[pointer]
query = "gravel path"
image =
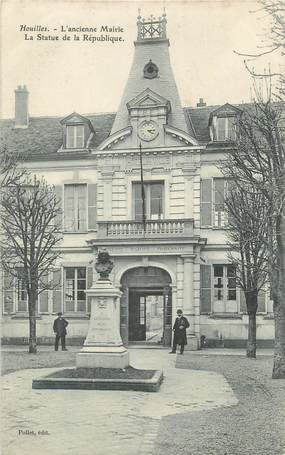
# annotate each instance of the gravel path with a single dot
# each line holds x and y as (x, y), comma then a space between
(254, 427)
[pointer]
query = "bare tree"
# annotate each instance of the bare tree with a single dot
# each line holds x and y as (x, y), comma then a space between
(9, 168)
(30, 237)
(272, 42)
(247, 238)
(259, 160)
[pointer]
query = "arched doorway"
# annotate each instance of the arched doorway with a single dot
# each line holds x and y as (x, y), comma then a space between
(146, 306)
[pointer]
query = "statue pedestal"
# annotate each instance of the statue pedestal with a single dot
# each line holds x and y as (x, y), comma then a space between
(103, 346)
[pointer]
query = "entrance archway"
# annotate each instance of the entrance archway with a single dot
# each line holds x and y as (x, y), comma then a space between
(146, 306)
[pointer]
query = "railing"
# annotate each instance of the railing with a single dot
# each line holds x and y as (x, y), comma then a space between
(152, 228)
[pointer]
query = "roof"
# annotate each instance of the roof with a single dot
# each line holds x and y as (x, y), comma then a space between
(43, 137)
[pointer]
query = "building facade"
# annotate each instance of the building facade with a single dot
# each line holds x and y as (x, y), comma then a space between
(178, 257)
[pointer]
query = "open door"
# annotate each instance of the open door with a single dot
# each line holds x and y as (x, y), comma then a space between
(137, 316)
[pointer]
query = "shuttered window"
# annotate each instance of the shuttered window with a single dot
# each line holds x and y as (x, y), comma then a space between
(78, 198)
(75, 207)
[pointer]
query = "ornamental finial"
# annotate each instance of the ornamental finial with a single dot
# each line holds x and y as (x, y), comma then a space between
(152, 28)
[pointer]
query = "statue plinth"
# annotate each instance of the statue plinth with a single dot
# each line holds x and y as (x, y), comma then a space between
(103, 346)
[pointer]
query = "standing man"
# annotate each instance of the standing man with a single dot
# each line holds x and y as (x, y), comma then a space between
(59, 328)
(180, 325)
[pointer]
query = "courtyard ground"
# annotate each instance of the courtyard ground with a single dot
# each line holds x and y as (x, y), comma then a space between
(212, 402)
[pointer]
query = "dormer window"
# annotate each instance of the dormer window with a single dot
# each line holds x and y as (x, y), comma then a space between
(225, 128)
(223, 123)
(74, 136)
(77, 133)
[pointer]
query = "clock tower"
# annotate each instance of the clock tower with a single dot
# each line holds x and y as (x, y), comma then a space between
(150, 110)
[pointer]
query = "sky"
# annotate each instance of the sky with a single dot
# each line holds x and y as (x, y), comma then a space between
(89, 77)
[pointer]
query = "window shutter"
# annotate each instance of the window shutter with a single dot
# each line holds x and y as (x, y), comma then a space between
(57, 291)
(206, 202)
(43, 296)
(92, 206)
(58, 194)
(243, 308)
(89, 284)
(69, 208)
(81, 194)
(205, 290)
(8, 304)
(261, 301)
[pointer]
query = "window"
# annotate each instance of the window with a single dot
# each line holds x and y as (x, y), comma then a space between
(154, 200)
(75, 208)
(218, 289)
(224, 289)
(213, 210)
(74, 136)
(220, 213)
(74, 289)
(225, 128)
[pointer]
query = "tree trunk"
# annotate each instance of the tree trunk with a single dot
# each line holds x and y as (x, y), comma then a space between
(32, 322)
(251, 338)
(251, 305)
(279, 303)
(279, 349)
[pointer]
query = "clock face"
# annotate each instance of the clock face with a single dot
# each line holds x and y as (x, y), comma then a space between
(148, 130)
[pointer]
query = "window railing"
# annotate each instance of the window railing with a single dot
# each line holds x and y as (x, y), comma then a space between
(152, 228)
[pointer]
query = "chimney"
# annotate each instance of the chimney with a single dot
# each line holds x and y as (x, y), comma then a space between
(21, 107)
(201, 103)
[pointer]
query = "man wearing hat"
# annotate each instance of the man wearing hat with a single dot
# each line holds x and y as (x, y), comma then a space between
(180, 325)
(59, 328)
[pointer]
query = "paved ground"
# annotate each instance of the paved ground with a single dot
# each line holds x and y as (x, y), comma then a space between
(104, 422)
(255, 426)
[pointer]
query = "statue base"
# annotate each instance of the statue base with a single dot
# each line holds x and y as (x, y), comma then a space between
(102, 357)
(103, 347)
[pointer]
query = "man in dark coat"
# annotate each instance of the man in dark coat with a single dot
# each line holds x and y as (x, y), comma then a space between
(180, 325)
(59, 328)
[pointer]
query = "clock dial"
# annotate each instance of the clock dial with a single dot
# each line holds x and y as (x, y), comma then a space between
(148, 130)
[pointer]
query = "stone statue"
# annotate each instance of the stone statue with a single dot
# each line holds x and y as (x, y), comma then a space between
(104, 265)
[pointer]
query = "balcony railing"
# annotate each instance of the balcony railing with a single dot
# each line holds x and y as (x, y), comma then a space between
(152, 228)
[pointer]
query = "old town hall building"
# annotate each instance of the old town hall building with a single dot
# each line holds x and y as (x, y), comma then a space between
(178, 258)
